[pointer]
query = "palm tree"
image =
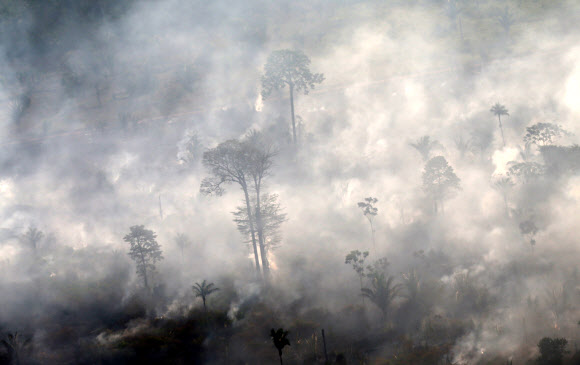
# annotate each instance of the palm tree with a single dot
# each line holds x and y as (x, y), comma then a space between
(499, 110)
(280, 341)
(203, 290)
(383, 292)
(424, 145)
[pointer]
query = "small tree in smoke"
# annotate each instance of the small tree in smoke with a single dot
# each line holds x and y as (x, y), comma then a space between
(370, 212)
(504, 185)
(145, 251)
(32, 237)
(357, 260)
(506, 20)
(15, 345)
(439, 181)
(182, 241)
(498, 110)
(204, 290)
(280, 340)
(289, 68)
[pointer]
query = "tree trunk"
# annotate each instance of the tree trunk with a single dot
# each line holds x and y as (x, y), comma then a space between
(263, 253)
(501, 129)
(252, 231)
(292, 112)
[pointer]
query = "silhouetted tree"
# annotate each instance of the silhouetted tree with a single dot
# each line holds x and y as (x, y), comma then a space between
(357, 260)
(260, 160)
(289, 68)
(204, 290)
(439, 180)
(382, 292)
(182, 241)
(370, 212)
(504, 185)
(229, 163)
(506, 20)
(499, 110)
(145, 251)
(425, 145)
(552, 351)
(280, 341)
(15, 345)
(32, 238)
(543, 134)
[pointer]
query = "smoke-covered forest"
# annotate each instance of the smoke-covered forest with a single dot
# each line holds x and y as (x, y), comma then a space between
(293, 182)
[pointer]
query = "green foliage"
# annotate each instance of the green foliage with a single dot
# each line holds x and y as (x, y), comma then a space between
(145, 250)
(552, 351)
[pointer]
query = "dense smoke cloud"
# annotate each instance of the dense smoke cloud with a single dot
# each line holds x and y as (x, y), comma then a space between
(106, 113)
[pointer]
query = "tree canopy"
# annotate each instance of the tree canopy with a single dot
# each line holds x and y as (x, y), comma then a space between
(145, 251)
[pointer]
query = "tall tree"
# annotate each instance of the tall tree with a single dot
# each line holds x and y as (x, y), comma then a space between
(229, 163)
(145, 251)
(204, 290)
(370, 212)
(260, 159)
(498, 110)
(271, 216)
(289, 68)
(439, 181)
